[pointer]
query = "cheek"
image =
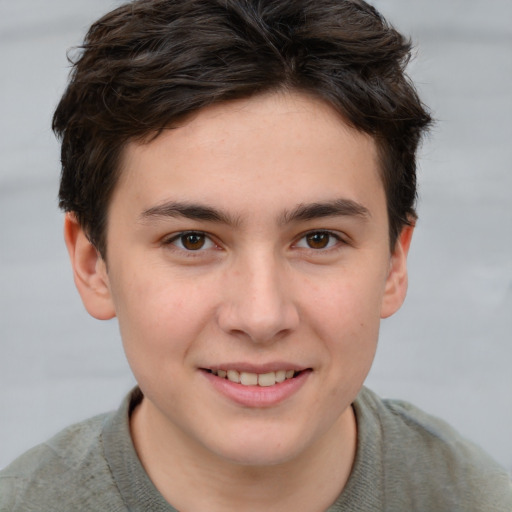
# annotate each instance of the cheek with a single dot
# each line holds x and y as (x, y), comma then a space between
(348, 306)
(159, 317)
(346, 316)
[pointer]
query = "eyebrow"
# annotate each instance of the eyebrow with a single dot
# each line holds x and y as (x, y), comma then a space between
(302, 212)
(190, 211)
(335, 208)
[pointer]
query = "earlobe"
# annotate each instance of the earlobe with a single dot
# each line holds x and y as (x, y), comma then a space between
(396, 282)
(89, 271)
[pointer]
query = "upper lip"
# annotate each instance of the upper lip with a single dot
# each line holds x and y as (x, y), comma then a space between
(256, 368)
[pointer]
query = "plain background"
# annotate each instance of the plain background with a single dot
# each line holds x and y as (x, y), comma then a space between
(449, 350)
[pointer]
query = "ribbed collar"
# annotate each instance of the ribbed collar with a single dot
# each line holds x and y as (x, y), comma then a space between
(135, 487)
(363, 491)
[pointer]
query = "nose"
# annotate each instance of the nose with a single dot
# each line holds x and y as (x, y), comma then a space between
(258, 302)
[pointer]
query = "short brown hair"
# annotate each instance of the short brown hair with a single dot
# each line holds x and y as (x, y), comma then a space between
(151, 62)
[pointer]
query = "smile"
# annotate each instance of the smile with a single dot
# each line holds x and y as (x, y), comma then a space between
(244, 385)
(255, 379)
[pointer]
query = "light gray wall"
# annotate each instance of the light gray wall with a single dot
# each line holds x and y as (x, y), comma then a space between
(449, 350)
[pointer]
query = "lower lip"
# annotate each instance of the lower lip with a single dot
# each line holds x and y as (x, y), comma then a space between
(258, 396)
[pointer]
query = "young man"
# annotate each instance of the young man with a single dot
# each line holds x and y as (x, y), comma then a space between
(239, 182)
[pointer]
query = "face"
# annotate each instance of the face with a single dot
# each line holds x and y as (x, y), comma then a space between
(250, 244)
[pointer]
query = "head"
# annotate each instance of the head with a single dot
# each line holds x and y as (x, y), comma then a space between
(241, 175)
(148, 65)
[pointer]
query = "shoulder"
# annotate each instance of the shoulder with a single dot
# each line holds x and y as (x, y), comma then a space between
(430, 462)
(64, 473)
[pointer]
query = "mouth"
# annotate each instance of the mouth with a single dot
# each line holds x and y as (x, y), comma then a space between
(256, 379)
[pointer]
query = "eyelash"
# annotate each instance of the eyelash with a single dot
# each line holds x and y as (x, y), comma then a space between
(333, 241)
(179, 237)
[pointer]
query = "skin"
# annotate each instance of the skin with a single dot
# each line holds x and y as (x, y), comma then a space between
(255, 291)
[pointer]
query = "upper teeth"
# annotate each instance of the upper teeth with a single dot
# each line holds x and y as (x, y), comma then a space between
(255, 379)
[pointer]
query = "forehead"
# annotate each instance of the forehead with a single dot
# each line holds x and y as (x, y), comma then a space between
(277, 146)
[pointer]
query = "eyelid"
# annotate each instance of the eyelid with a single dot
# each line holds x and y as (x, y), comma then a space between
(170, 239)
(340, 239)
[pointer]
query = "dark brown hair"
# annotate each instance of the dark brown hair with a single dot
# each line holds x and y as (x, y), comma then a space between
(151, 62)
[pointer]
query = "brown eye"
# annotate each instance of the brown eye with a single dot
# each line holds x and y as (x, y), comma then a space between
(193, 241)
(318, 240)
(190, 241)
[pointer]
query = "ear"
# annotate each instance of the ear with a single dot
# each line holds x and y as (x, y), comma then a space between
(396, 282)
(89, 271)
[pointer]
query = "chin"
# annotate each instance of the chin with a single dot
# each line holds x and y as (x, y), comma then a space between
(257, 458)
(261, 450)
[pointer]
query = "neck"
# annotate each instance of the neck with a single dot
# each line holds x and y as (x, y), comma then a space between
(310, 481)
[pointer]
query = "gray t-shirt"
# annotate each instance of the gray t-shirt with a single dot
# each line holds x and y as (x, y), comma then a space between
(406, 461)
